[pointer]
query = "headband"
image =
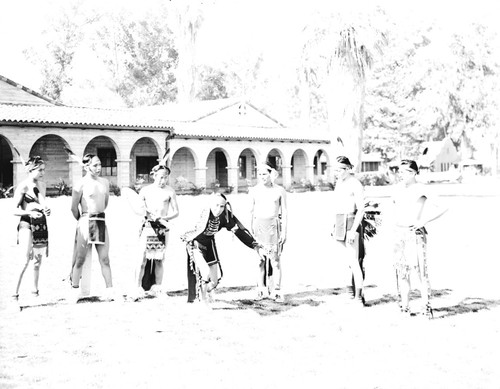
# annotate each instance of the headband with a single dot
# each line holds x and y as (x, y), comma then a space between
(158, 168)
(33, 163)
(409, 164)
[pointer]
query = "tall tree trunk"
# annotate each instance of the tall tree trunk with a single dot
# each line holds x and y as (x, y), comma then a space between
(189, 18)
(345, 100)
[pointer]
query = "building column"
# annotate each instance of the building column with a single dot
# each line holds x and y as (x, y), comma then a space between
(286, 174)
(330, 174)
(123, 172)
(232, 178)
(18, 172)
(200, 175)
(310, 173)
(75, 172)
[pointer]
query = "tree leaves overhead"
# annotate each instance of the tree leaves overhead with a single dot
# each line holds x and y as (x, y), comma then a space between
(433, 83)
(141, 57)
(60, 42)
(370, 74)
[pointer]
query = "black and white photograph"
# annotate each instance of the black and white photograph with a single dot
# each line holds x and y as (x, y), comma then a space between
(249, 194)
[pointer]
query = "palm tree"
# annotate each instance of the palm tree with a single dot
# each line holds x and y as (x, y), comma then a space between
(343, 45)
(188, 18)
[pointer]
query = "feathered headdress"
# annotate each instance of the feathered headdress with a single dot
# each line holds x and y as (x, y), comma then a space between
(371, 219)
(163, 164)
(20, 156)
(32, 163)
(73, 156)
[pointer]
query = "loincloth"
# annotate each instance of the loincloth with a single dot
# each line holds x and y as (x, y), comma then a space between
(410, 251)
(91, 228)
(39, 230)
(267, 233)
(155, 236)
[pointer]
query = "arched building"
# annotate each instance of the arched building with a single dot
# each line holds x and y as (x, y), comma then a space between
(212, 143)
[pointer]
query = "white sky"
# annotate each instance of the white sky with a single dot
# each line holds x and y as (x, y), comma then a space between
(238, 26)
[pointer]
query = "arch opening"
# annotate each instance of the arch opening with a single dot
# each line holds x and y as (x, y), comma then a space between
(51, 149)
(298, 164)
(183, 174)
(6, 167)
(247, 169)
(106, 150)
(143, 156)
(217, 174)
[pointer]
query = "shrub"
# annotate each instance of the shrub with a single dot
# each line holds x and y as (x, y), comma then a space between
(114, 189)
(373, 179)
(62, 188)
(6, 192)
(183, 185)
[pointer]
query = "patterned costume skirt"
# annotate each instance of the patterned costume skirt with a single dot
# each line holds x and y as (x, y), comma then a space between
(410, 252)
(155, 236)
(39, 230)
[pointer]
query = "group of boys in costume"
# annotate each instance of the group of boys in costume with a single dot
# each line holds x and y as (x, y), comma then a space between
(266, 236)
(269, 221)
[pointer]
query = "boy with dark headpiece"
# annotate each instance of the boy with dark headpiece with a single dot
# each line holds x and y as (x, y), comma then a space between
(348, 202)
(411, 213)
(204, 268)
(89, 200)
(269, 226)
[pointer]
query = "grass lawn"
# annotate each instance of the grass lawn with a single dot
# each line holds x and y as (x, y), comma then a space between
(315, 339)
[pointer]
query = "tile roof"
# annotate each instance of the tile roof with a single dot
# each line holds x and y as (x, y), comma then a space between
(141, 119)
(201, 131)
(229, 118)
(61, 116)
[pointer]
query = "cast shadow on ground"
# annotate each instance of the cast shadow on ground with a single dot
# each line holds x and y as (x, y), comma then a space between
(467, 305)
(61, 301)
(414, 295)
(441, 311)
(269, 307)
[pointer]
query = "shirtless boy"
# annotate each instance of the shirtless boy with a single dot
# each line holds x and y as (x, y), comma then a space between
(412, 210)
(269, 227)
(89, 201)
(158, 199)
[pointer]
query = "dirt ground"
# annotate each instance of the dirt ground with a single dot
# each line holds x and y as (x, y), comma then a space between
(316, 339)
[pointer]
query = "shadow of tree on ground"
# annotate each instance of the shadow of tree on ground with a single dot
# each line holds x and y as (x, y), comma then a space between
(414, 295)
(467, 305)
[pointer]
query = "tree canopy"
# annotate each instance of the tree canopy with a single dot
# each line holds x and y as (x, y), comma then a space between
(379, 80)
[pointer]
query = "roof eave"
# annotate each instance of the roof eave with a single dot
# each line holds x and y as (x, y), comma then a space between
(250, 139)
(84, 126)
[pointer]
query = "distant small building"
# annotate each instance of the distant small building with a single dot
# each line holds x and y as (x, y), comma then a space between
(438, 156)
(371, 162)
(471, 166)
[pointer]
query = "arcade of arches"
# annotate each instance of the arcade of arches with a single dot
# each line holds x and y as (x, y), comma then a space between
(127, 156)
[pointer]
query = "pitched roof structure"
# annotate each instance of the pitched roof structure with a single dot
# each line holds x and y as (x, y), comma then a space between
(13, 93)
(20, 106)
(231, 119)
